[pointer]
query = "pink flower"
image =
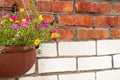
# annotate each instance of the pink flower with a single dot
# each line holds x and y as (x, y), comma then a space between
(5, 16)
(25, 24)
(13, 18)
(55, 39)
(15, 26)
(36, 29)
(28, 18)
(53, 31)
(44, 25)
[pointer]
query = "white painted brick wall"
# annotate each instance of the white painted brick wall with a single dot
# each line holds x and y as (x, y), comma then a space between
(57, 65)
(77, 48)
(105, 47)
(71, 50)
(81, 76)
(116, 59)
(90, 63)
(40, 78)
(109, 75)
(48, 50)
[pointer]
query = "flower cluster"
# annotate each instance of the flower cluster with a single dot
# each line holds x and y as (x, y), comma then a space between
(21, 30)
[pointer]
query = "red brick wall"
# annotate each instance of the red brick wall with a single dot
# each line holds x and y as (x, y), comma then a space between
(80, 19)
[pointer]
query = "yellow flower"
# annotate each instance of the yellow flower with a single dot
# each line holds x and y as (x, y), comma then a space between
(17, 21)
(11, 19)
(23, 20)
(36, 42)
(41, 17)
(21, 10)
(54, 35)
(2, 22)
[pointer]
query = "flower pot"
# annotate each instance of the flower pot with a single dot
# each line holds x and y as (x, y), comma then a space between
(15, 61)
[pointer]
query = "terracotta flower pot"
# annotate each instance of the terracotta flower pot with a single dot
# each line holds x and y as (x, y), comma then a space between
(15, 61)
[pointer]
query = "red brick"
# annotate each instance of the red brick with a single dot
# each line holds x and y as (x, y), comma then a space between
(55, 6)
(116, 8)
(65, 34)
(44, 6)
(48, 18)
(76, 20)
(62, 6)
(1, 3)
(113, 21)
(97, 7)
(118, 20)
(82, 6)
(108, 21)
(9, 3)
(104, 7)
(115, 33)
(102, 21)
(92, 34)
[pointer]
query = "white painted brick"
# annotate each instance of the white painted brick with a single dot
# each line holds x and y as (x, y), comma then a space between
(57, 65)
(81, 76)
(32, 70)
(116, 59)
(109, 75)
(105, 47)
(77, 48)
(39, 78)
(48, 50)
(90, 63)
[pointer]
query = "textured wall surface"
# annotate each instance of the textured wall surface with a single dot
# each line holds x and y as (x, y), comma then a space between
(89, 48)
(81, 60)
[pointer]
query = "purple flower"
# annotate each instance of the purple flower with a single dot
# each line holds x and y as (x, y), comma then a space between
(53, 31)
(55, 39)
(44, 25)
(28, 18)
(25, 24)
(15, 26)
(13, 17)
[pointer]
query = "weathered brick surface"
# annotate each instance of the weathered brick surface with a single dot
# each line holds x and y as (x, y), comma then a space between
(48, 18)
(9, 3)
(76, 20)
(55, 6)
(82, 6)
(107, 21)
(92, 34)
(115, 33)
(66, 34)
(116, 8)
(102, 21)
